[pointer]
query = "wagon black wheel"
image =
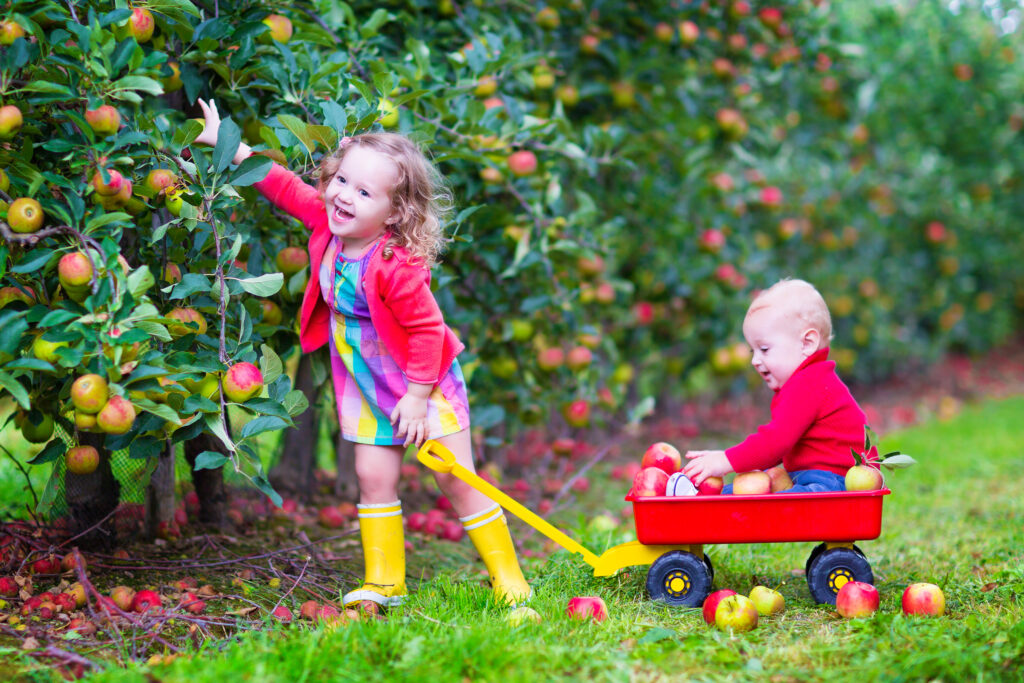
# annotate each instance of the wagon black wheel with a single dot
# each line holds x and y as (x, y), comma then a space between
(832, 569)
(711, 571)
(679, 578)
(818, 550)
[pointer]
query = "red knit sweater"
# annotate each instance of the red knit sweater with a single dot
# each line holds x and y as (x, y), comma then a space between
(402, 308)
(815, 422)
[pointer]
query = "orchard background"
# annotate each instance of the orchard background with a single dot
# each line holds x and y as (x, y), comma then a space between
(626, 174)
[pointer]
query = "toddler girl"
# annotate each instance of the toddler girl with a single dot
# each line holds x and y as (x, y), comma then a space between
(375, 230)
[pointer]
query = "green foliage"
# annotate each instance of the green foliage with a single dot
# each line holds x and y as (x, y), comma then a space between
(818, 146)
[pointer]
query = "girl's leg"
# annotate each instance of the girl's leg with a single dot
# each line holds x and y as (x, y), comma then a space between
(380, 525)
(485, 524)
(816, 481)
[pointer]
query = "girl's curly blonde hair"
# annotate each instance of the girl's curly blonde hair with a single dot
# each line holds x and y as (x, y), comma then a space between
(420, 196)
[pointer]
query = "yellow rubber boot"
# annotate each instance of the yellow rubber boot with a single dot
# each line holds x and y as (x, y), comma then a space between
(488, 530)
(380, 526)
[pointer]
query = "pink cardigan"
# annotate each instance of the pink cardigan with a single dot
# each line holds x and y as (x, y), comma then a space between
(815, 422)
(402, 308)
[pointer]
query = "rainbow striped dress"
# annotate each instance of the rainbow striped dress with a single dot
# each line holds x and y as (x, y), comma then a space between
(367, 380)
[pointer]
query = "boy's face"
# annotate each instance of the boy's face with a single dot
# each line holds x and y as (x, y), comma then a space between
(780, 343)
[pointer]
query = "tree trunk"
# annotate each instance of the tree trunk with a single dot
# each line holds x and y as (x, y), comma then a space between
(209, 484)
(92, 497)
(346, 487)
(292, 476)
(160, 495)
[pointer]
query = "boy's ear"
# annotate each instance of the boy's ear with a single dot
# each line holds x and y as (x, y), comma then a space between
(809, 341)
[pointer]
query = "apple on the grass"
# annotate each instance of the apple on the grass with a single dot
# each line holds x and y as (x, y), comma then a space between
(521, 615)
(857, 599)
(767, 601)
(664, 456)
(587, 607)
(736, 613)
(650, 481)
(711, 603)
(925, 599)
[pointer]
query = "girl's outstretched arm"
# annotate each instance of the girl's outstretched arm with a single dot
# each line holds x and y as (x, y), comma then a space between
(212, 129)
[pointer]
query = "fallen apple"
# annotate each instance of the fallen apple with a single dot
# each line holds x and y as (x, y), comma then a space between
(521, 615)
(767, 601)
(856, 599)
(711, 603)
(736, 613)
(924, 599)
(587, 607)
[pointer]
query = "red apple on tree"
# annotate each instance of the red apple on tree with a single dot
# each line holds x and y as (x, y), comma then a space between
(522, 163)
(11, 120)
(117, 416)
(664, 456)
(242, 382)
(104, 120)
(82, 459)
(924, 599)
(89, 393)
(587, 607)
(857, 599)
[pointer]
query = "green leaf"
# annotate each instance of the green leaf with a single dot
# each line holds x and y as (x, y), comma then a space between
(133, 83)
(266, 423)
(299, 129)
(158, 409)
(154, 330)
(145, 447)
(251, 170)
(295, 402)
(267, 406)
(12, 326)
(99, 220)
(57, 317)
(33, 261)
(263, 285)
(856, 456)
(898, 461)
(270, 364)
(140, 280)
(200, 403)
(228, 138)
(263, 485)
(190, 284)
(215, 423)
(656, 634)
(55, 448)
(15, 388)
(47, 87)
(209, 460)
(29, 364)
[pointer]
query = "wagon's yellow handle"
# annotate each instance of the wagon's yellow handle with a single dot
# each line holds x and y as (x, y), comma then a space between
(438, 458)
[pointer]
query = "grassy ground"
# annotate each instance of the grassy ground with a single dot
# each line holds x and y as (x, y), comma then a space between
(955, 520)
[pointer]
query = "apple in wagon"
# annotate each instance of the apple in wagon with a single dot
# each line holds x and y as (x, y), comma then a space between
(650, 481)
(664, 456)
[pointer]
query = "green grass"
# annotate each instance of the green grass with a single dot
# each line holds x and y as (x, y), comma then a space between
(956, 519)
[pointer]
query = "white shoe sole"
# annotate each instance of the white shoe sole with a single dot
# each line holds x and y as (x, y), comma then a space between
(356, 596)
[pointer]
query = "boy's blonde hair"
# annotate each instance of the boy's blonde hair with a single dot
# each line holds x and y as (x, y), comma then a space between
(420, 195)
(800, 300)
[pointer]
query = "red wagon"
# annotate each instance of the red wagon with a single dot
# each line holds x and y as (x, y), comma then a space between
(672, 532)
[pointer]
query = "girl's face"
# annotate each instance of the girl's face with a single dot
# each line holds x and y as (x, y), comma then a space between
(358, 198)
(780, 343)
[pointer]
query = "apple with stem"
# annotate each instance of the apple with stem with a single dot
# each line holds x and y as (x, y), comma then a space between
(857, 599)
(711, 603)
(767, 601)
(736, 613)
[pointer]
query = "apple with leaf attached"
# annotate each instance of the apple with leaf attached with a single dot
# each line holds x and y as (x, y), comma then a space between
(866, 475)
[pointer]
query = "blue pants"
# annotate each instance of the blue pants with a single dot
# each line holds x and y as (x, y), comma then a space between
(810, 481)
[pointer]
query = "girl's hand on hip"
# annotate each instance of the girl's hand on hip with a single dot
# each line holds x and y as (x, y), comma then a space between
(411, 417)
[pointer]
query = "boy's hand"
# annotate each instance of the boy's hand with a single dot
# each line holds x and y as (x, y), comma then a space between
(704, 464)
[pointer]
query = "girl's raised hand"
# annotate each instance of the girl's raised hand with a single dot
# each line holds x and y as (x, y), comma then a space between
(212, 123)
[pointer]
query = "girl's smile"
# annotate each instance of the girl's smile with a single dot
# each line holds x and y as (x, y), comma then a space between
(358, 199)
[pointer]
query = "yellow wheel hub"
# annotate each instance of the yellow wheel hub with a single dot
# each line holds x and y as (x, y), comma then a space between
(839, 578)
(677, 583)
